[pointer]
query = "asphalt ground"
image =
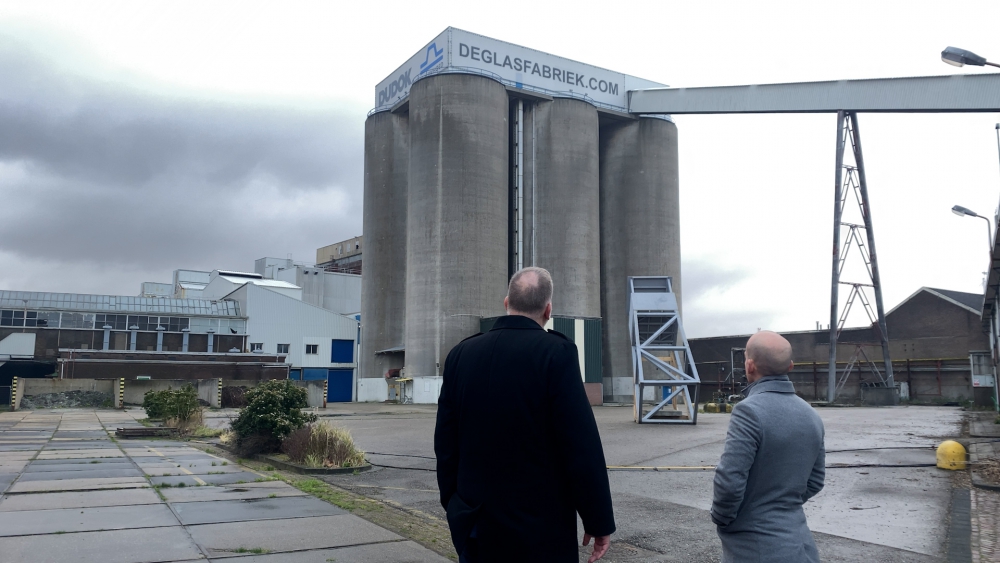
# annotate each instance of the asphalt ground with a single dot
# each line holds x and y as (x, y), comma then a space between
(881, 503)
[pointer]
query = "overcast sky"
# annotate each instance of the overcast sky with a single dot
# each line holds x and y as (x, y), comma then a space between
(141, 137)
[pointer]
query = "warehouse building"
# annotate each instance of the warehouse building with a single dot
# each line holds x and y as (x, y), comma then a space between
(937, 341)
(483, 157)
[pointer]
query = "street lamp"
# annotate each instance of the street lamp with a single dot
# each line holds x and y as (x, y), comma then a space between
(960, 57)
(962, 211)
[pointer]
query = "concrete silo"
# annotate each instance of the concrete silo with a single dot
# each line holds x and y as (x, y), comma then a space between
(456, 266)
(515, 158)
(565, 204)
(383, 287)
(640, 230)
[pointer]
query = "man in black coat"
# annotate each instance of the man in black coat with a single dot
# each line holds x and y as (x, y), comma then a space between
(518, 451)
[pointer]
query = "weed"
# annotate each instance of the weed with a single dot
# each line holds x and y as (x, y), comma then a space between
(216, 472)
(272, 495)
(254, 550)
(213, 464)
(225, 463)
(181, 484)
(206, 432)
(95, 461)
(268, 468)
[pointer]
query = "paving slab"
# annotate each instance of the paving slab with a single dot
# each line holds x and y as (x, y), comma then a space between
(81, 474)
(78, 499)
(77, 465)
(113, 546)
(30, 522)
(190, 469)
(6, 479)
(80, 454)
(243, 510)
(77, 445)
(57, 461)
(192, 480)
(79, 485)
(389, 552)
(229, 492)
(16, 456)
(221, 540)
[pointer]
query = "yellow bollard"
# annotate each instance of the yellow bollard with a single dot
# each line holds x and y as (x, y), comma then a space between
(951, 455)
(711, 407)
(729, 407)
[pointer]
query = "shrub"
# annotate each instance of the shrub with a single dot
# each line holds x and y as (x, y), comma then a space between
(180, 405)
(323, 445)
(234, 397)
(273, 411)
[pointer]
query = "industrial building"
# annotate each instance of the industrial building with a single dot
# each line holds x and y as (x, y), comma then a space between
(344, 256)
(483, 157)
(112, 336)
(305, 314)
(938, 345)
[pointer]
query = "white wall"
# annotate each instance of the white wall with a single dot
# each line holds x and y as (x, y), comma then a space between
(18, 344)
(333, 291)
(278, 319)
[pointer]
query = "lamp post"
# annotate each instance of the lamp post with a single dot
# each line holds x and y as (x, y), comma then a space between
(960, 57)
(962, 212)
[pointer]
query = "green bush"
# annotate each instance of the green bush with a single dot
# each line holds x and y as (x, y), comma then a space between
(176, 404)
(273, 411)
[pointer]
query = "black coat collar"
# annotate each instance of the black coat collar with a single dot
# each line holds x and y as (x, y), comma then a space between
(515, 321)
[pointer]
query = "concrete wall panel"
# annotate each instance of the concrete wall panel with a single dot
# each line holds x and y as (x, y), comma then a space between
(456, 266)
(640, 228)
(383, 279)
(567, 204)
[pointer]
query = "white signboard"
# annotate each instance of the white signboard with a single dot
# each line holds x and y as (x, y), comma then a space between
(460, 51)
(982, 381)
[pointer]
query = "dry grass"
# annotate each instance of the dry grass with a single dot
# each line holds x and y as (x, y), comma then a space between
(323, 445)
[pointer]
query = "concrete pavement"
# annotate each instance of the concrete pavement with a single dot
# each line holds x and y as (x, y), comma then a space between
(864, 513)
(72, 493)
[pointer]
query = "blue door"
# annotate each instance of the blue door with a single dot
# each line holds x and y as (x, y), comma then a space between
(339, 385)
(294, 374)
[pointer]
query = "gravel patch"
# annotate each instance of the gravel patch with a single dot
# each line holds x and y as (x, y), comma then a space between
(67, 400)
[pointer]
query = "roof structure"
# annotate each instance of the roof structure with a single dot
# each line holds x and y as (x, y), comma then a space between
(972, 302)
(40, 301)
(260, 282)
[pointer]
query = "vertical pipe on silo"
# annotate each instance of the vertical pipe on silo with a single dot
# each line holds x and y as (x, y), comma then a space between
(566, 204)
(383, 278)
(457, 216)
(640, 230)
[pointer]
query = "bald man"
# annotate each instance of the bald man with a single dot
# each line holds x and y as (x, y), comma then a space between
(774, 461)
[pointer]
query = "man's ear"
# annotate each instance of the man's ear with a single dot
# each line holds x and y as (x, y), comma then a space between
(548, 312)
(505, 304)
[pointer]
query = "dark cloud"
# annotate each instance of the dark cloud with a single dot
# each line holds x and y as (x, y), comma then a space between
(101, 172)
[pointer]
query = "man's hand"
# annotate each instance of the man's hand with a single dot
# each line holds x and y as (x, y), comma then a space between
(601, 545)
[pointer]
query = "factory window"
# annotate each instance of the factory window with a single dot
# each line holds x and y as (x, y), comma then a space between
(17, 318)
(312, 348)
(283, 348)
(117, 322)
(256, 346)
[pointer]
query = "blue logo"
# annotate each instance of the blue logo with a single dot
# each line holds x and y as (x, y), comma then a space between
(432, 51)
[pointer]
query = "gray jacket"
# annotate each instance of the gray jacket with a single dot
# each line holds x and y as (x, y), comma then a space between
(774, 462)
